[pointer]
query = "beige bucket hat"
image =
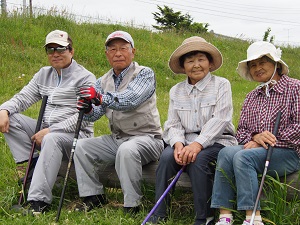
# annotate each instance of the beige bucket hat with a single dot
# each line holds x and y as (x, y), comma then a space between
(191, 44)
(257, 50)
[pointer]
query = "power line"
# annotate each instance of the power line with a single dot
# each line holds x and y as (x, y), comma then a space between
(76, 17)
(223, 14)
(232, 14)
(198, 10)
(266, 8)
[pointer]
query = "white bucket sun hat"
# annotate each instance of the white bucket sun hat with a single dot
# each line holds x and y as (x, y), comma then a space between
(195, 43)
(258, 50)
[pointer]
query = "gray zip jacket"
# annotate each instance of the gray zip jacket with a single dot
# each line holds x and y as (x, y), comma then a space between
(61, 112)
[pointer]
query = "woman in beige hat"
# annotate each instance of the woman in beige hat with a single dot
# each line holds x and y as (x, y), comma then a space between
(198, 126)
(276, 92)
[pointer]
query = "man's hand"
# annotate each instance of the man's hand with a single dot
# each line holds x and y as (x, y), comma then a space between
(90, 94)
(4, 121)
(38, 137)
(84, 104)
(265, 138)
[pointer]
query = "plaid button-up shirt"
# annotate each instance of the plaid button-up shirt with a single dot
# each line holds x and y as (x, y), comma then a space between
(138, 91)
(259, 113)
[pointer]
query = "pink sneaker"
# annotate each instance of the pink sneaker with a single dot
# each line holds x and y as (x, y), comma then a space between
(224, 221)
(247, 222)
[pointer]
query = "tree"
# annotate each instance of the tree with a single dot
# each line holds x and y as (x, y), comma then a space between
(267, 34)
(167, 19)
(199, 27)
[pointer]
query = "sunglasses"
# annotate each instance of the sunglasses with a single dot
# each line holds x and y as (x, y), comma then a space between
(51, 50)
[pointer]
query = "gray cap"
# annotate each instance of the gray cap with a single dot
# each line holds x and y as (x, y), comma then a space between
(120, 34)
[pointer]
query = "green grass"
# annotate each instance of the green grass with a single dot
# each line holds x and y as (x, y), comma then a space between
(22, 55)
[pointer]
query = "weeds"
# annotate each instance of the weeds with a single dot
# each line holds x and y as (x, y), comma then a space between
(22, 55)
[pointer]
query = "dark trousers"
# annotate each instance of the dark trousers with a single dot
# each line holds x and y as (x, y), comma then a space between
(201, 173)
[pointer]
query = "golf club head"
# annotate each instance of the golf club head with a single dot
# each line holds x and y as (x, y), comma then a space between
(21, 210)
(18, 209)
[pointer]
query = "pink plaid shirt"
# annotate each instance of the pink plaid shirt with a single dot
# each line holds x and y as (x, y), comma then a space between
(259, 113)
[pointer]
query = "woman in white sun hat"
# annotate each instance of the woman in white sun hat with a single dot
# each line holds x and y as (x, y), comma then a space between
(198, 126)
(241, 164)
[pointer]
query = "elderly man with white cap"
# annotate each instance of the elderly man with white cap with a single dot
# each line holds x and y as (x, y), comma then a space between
(199, 125)
(59, 82)
(241, 164)
(126, 95)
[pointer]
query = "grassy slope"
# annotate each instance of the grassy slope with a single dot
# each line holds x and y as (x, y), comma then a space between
(21, 55)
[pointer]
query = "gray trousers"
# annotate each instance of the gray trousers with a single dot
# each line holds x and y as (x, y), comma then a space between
(128, 155)
(201, 173)
(54, 146)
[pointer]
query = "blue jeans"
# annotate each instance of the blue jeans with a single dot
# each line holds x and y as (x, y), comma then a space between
(238, 167)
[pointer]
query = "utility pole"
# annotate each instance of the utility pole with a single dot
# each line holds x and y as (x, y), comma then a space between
(288, 35)
(3, 7)
(30, 7)
(24, 7)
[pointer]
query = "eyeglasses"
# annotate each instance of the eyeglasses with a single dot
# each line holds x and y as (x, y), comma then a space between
(51, 50)
(114, 50)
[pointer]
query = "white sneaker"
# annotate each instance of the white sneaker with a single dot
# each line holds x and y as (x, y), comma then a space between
(247, 222)
(224, 221)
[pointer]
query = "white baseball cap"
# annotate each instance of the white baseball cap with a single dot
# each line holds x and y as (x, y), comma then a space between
(58, 37)
(120, 34)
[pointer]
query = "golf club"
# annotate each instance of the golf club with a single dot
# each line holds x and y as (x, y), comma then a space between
(163, 195)
(77, 130)
(269, 154)
(37, 128)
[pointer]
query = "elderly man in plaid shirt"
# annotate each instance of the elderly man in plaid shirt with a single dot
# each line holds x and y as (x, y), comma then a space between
(126, 95)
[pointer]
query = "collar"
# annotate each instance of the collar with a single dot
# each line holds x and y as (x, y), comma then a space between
(200, 85)
(279, 87)
(123, 73)
(68, 70)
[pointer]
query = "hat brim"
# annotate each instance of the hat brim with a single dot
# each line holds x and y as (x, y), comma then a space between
(123, 38)
(62, 43)
(195, 46)
(243, 69)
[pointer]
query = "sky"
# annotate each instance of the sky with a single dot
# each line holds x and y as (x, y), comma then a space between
(236, 18)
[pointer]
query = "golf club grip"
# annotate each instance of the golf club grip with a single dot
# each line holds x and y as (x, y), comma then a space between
(275, 131)
(79, 121)
(41, 114)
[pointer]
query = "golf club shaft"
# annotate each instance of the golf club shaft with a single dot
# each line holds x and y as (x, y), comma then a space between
(77, 130)
(269, 154)
(163, 195)
(37, 128)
